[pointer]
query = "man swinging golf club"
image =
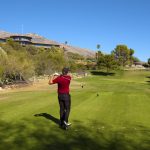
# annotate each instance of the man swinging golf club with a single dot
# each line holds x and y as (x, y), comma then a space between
(64, 98)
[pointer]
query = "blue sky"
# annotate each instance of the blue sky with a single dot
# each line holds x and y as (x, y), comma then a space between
(83, 23)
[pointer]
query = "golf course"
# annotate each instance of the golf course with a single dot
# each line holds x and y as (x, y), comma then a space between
(110, 112)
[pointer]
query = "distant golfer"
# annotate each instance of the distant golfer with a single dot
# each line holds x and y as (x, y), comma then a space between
(63, 82)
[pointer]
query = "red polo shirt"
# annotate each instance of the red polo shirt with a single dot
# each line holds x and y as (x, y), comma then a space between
(63, 82)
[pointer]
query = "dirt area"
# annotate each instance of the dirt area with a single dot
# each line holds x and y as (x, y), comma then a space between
(38, 86)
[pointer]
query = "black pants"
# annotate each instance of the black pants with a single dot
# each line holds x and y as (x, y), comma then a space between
(65, 104)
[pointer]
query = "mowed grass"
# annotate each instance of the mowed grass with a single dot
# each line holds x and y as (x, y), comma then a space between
(108, 113)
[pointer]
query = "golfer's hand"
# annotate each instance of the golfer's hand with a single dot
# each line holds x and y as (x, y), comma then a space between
(55, 74)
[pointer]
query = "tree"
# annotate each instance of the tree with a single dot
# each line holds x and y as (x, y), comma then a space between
(98, 46)
(19, 62)
(98, 51)
(148, 61)
(107, 62)
(18, 67)
(75, 56)
(66, 42)
(16, 63)
(122, 54)
(131, 52)
(47, 61)
(3, 62)
(98, 55)
(135, 59)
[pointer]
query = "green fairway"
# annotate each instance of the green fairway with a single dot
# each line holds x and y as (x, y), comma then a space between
(111, 112)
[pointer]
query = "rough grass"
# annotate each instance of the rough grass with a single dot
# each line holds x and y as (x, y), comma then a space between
(111, 112)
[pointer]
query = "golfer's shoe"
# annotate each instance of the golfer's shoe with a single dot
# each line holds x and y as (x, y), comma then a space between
(67, 123)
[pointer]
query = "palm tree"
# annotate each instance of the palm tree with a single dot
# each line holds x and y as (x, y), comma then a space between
(98, 51)
(149, 61)
(98, 46)
(66, 42)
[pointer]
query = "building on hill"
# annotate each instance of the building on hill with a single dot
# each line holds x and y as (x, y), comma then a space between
(136, 66)
(29, 39)
(39, 41)
(140, 63)
(22, 39)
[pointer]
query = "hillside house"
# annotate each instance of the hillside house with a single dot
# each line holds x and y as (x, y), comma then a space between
(30, 39)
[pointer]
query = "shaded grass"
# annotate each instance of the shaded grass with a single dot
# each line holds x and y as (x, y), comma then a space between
(34, 134)
(101, 73)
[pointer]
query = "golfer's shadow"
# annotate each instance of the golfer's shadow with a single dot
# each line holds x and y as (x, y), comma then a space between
(48, 116)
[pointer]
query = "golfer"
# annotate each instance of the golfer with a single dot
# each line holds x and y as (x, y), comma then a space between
(63, 82)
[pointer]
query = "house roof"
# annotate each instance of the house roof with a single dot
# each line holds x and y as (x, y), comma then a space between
(41, 40)
(21, 35)
(139, 63)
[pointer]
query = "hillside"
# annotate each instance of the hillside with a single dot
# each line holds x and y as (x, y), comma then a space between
(40, 39)
(4, 34)
(81, 51)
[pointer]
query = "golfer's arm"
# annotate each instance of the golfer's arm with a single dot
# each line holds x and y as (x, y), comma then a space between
(51, 80)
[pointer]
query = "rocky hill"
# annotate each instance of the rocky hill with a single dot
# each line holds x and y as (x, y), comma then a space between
(81, 51)
(4, 34)
(39, 39)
